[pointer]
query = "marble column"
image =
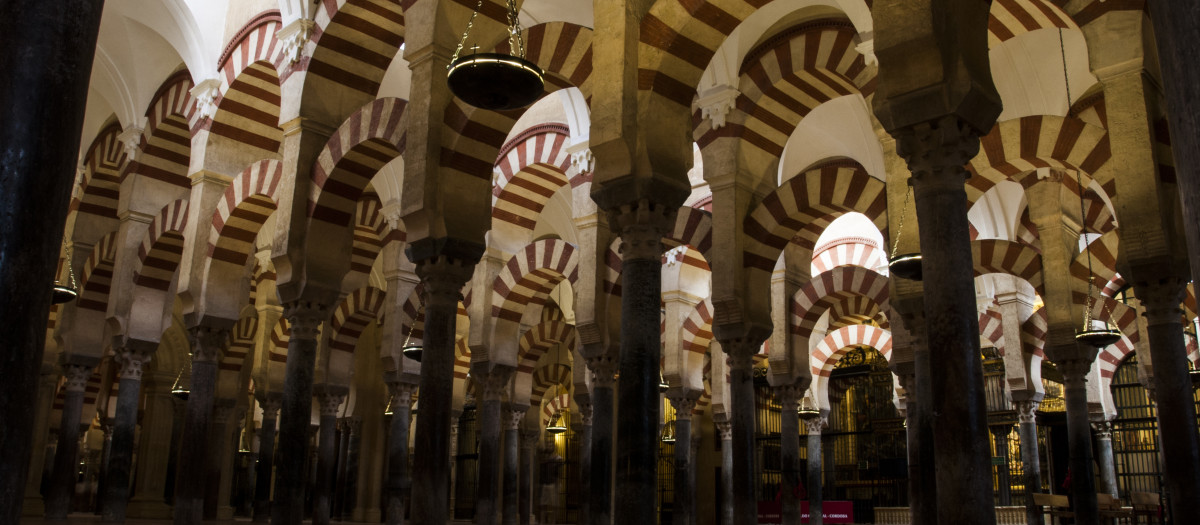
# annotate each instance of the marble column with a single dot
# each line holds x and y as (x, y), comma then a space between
(443, 279)
(340, 504)
(1173, 391)
(512, 451)
(936, 153)
(813, 425)
(270, 404)
(47, 385)
(529, 440)
(600, 487)
(120, 458)
(584, 435)
(149, 497)
(330, 399)
(295, 415)
(741, 390)
(1000, 434)
(353, 459)
(1079, 436)
(487, 491)
(1102, 431)
(725, 431)
(398, 481)
(219, 458)
(66, 456)
(190, 474)
(789, 451)
(1031, 464)
(685, 490)
(453, 457)
(641, 226)
(48, 52)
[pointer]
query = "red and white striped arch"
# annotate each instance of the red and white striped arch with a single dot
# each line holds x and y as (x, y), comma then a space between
(1008, 257)
(556, 404)
(249, 94)
(1033, 333)
(546, 377)
(347, 324)
(371, 232)
(697, 328)
(537, 340)
(103, 164)
(162, 247)
(241, 344)
(816, 296)
(1103, 263)
(281, 333)
(856, 309)
(1016, 148)
(827, 353)
(531, 168)
(96, 279)
(848, 251)
(165, 150)
(530, 275)
(353, 42)
(991, 327)
(361, 146)
(1009, 19)
(242, 210)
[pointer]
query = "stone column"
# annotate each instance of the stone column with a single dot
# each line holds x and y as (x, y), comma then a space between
(48, 52)
(600, 487)
(1173, 391)
(725, 430)
(215, 457)
(1000, 434)
(789, 451)
(330, 399)
(487, 492)
(814, 425)
(453, 457)
(1031, 464)
(149, 498)
(270, 404)
(585, 459)
(33, 504)
(120, 458)
(512, 450)
(1102, 431)
(66, 456)
(398, 481)
(741, 394)
(340, 503)
(1079, 436)
(304, 321)
(529, 440)
(685, 490)
(353, 457)
(641, 225)
(443, 279)
(936, 152)
(190, 475)
(914, 376)
(222, 464)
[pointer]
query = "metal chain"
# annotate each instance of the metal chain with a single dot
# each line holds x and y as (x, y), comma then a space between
(463, 40)
(900, 227)
(516, 42)
(1087, 314)
(1066, 79)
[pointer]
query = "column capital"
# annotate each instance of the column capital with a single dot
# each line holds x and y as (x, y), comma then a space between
(725, 430)
(529, 438)
(131, 362)
(739, 360)
(1027, 410)
(77, 376)
(585, 412)
(641, 226)
(814, 424)
(402, 393)
(354, 425)
(604, 371)
(1102, 429)
(788, 396)
(223, 410)
(1161, 299)
(684, 402)
(1074, 371)
(443, 279)
(270, 404)
(305, 318)
(936, 147)
(207, 343)
(513, 418)
(330, 401)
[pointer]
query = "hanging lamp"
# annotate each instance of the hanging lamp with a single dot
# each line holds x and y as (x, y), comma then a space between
(496, 81)
(556, 424)
(68, 291)
(663, 386)
(408, 349)
(806, 408)
(907, 265)
(668, 435)
(183, 381)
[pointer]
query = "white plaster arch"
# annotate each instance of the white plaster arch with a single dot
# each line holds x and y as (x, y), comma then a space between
(997, 213)
(838, 128)
(1028, 72)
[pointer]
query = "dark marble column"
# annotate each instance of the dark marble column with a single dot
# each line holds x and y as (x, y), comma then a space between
(600, 487)
(741, 394)
(1102, 431)
(487, 491)
(529, 440)
(789, 451)
(512, 451)
(725, 431)
(120, 460)
(813, 425)
(353, 459)
(343, 457)
(66, 456)
(641, 226)
(154, 448)
(218, 459)
(1079, 436)
(1173, 391)
(295, 415)
(443, 279)
(936, 153)
(1000, 434)
(685, 489)
(330, 399)
(398, 481)
(1031, 464)
(270, 404)
(47, 55)
(584, 435)
(190, 475)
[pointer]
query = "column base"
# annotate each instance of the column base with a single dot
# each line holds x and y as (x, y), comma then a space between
(33, 506)
(148, 509)
(225, 512)
(372, 516)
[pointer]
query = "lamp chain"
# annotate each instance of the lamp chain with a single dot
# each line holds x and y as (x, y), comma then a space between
(900, 226)
(516, 42)
(412, 326)
(462, 41)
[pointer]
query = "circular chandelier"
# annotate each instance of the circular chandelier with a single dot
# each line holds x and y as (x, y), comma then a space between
(495, 81)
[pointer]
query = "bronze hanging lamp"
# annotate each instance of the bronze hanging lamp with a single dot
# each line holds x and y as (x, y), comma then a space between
(556, 424)
(408, 349)
(496, 81)
(906, 265)
(66, 291)
(182, 387)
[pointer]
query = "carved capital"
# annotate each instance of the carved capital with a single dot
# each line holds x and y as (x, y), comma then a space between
(1161, 299)
(725, 430)
(354, 425)
(270, 405)
(1102, 429)
(131, 363)
(789, 397)
(583, 161)
(815, 424)
(205, 93)
(294, 36)
(131, 138)
(684, 403)
(77, 376)
(1074, 371)
(330, 403)
(642, 225)
(402, 393)
(1027, 410)
(604, 371)
(513, 418)
(740, 361)
(223, 410)
(939, 147)
(304, 319)
(207, 343)
(443, 279)
(716, 103)
(585, 413)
